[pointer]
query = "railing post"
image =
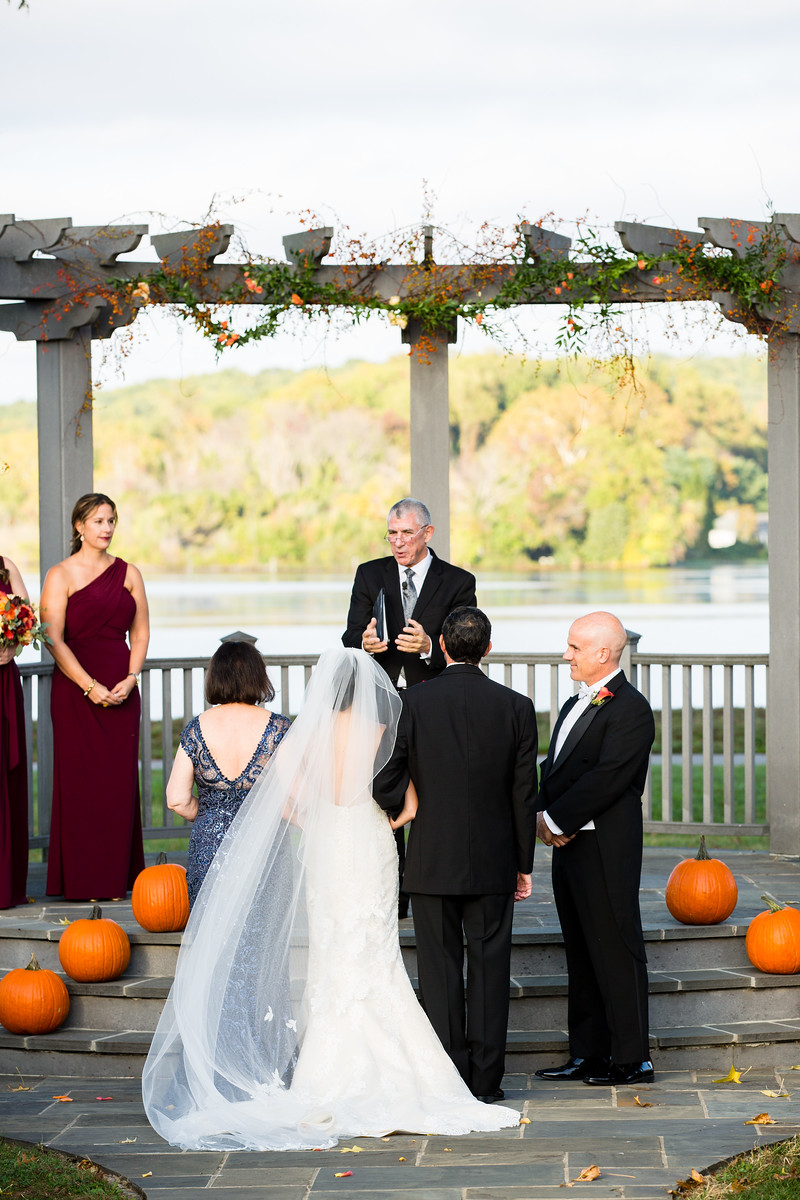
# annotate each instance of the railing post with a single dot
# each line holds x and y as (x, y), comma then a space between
(626, 661)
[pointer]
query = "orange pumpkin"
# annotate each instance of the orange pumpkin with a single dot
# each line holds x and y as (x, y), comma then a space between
(94, 948)
(160, 898)
(701, 890)
(773, 939)
(32, 1000)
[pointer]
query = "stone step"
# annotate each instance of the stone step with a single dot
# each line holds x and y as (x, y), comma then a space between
(682, 999)
(153, 954)
(679, 998)
(102, 1054)
(534, 951)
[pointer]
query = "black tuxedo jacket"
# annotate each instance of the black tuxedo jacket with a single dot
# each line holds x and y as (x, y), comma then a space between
(600, 775)
(446, 587)
(470, 746)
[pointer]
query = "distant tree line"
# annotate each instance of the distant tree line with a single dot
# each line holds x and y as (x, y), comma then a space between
(551, 463)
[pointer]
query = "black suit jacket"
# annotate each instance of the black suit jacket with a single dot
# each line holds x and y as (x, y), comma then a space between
(600, 776)
(470, 746)
(446, 587)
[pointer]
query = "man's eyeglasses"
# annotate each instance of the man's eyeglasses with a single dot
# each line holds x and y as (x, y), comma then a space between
(406, 535)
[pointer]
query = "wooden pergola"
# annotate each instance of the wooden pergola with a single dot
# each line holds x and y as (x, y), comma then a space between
(41, 260)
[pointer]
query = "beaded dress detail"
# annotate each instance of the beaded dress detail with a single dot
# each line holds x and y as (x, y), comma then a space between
(219, 798)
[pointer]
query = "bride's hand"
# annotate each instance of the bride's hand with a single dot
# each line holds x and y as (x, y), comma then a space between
(409, 809)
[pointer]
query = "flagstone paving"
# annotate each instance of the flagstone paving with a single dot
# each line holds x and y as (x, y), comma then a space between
(642, 1140)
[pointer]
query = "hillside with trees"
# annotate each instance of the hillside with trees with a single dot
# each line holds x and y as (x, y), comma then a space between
(551, 462)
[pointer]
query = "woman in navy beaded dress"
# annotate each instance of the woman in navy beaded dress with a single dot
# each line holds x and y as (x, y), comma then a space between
(223, 752)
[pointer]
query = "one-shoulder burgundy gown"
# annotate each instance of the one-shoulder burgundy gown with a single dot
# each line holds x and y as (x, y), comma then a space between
(96, 827)
(13, 785)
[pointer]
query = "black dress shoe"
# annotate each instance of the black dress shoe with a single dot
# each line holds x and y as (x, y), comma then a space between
(618, 1074)
(498, 1095)
(574, 1068)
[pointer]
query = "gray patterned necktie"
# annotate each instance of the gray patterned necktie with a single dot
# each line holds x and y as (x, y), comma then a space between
(409, 595)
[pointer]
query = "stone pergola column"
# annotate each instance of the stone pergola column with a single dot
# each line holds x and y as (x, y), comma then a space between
(430, 426)
(783, 687)
(64, 415)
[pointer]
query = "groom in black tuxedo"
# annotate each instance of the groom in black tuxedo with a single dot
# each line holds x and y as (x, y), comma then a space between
(591, 813)
(469, 745)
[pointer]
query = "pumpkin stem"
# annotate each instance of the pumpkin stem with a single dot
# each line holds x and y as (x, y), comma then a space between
(33, 964)
(96, 913)
(162, 858)
(702, 853)
(774, 905)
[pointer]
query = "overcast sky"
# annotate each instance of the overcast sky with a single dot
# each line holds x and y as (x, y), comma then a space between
(117, 111)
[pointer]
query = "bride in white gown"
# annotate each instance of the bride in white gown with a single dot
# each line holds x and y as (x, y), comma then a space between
(292, 1022)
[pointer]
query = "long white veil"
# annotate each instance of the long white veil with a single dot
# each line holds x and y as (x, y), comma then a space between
(221, 1064)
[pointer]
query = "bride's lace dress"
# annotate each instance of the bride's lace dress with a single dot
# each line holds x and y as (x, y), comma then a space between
(327, 1041)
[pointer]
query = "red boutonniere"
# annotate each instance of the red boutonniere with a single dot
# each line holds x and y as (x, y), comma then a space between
(602, 696)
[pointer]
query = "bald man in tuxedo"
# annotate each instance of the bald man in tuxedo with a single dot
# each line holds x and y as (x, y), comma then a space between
(591, 814)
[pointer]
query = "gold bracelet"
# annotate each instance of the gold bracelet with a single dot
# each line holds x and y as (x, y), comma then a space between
(89, 688)
(135, 676)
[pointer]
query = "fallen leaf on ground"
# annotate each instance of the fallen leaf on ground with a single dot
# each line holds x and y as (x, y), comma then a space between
(733, 1076)
(64, 921)
(524, 1120)
(401, 1160)
(104, 1097)
(341, 1174)
(125, 1141)
(147, 1174)
(64, 1099)
(697, 1177)
(642, 1103)
(761, 1119)
(587, 1175)
(775, 1095)
(352, 1150)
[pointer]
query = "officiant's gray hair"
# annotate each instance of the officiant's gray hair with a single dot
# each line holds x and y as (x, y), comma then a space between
(409, 504)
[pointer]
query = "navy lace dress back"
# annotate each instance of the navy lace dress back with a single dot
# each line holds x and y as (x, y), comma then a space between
(219, 798)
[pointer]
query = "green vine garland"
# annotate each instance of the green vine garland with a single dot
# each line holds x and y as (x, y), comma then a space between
(591, 282)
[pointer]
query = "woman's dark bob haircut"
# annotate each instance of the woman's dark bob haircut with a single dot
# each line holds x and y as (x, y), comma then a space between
(236, 675)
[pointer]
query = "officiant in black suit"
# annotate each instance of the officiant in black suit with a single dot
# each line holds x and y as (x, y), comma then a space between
(591, 813)
(469, 745)
(419, 590)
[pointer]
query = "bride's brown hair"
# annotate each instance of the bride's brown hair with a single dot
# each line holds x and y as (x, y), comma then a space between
(84, 507)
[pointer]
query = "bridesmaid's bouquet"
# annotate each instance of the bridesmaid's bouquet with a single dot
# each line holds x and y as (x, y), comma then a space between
(19, 624)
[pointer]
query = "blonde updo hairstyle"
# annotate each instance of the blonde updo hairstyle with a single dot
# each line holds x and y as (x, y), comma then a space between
(84, 507)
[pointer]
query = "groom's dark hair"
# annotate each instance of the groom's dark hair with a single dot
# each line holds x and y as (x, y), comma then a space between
(466, 632)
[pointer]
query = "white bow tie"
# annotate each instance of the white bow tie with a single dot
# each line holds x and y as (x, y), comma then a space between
(584, 691)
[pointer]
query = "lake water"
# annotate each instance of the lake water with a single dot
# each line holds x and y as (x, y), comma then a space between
(678, 610)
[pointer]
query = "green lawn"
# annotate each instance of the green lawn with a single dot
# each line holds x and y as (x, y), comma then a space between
(30, 1172)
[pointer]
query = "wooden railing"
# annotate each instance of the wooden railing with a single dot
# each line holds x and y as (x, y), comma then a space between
(707, 773)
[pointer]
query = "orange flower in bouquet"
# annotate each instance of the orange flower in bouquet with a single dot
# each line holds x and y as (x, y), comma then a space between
(19, 623)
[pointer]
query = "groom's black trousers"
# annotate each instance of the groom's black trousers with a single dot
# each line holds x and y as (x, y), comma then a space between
(474, 1038)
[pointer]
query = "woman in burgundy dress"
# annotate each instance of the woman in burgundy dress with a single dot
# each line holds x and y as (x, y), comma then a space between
(13, 763)
(91, 601)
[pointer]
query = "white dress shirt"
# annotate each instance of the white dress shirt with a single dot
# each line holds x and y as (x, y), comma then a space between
(571, 719)
(420, 570)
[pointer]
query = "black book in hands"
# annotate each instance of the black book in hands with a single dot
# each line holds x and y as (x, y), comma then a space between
(379, 613)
